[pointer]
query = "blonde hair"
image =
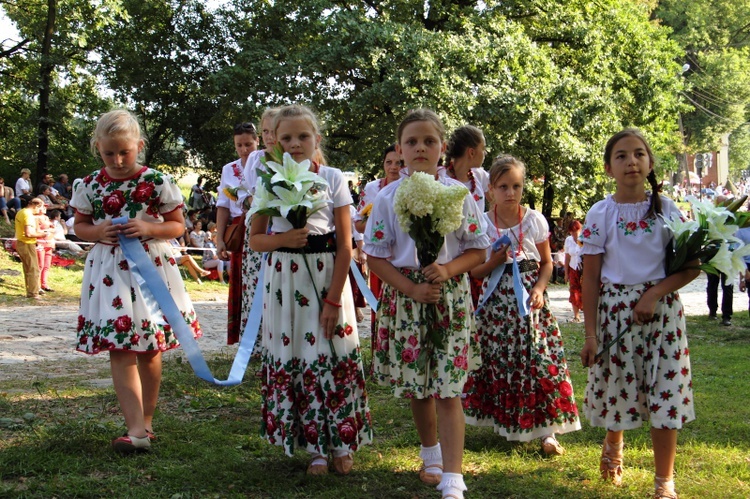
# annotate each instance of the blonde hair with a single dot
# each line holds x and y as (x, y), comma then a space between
(414, 115)
(503, 163)
(270, 114)
(117, 123)
(295, 111)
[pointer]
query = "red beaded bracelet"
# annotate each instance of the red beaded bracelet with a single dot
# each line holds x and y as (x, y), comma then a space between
(332, 303)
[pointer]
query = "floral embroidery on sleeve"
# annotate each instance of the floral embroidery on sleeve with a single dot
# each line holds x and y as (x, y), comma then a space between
(377, 232)
(589, 232)
(473, 225)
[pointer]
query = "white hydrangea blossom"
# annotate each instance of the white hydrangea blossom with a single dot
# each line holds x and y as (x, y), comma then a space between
(420, 195)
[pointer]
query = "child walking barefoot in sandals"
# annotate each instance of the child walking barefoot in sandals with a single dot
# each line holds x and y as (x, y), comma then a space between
(522, 388)
(410, 285)
(114, 315)
(646, 374)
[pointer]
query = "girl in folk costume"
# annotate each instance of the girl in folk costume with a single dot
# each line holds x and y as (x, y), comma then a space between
(410, 287)
(522, 388)
(392, 165)
(464, 156)
(646, 375)
(573, 267)
(114, 315)
(251, 260)
(313, 384)
(230, 210)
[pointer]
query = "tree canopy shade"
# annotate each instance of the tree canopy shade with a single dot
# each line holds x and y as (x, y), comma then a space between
(548, 81)
(715, 41)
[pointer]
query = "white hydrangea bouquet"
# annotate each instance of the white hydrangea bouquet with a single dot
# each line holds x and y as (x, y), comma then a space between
(288, 189)
(709, 238)
(428, 210)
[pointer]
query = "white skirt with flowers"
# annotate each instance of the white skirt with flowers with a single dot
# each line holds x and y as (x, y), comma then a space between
(401, 332)
(311, 398)
(114, 315)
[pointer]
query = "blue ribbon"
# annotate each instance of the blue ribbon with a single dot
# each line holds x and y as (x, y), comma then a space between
(363, 287)
(522, 296)
(157, 296)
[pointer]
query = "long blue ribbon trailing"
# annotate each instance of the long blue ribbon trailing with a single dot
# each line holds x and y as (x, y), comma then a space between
(522, 296)
(363, 287)
(157, 296)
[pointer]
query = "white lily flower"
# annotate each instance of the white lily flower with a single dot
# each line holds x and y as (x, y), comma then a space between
(261, 198)
(738, 259)
(678, 227)
(723, 261)
(288, 200)
(292, 173)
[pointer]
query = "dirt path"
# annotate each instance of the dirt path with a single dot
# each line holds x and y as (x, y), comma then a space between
(37, 340)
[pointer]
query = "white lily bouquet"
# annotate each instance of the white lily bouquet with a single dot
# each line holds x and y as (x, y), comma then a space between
(428, 210)
(709, 238)
(288, 189)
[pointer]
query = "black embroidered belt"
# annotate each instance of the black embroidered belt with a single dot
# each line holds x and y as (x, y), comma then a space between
(523, 266)
(324, 243)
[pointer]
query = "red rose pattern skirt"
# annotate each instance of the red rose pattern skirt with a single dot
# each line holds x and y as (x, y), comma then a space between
(646, 375)
(311, 399)
(400, 333)
(114, 314)
(522, 389)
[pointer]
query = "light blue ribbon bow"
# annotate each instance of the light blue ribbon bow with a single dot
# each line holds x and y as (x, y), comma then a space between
(157, 296)
(522, 296)
(363, 287)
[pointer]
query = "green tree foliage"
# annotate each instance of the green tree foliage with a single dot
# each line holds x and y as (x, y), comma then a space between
(546, 81)
(715, 38)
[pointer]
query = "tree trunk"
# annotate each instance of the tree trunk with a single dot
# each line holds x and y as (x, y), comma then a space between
(47, 66)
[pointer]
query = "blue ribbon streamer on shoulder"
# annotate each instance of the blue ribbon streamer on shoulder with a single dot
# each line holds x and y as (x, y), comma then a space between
(522, 296)
(155, 291)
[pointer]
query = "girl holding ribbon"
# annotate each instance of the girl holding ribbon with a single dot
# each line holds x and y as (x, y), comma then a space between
(115, 316)
(522, 388)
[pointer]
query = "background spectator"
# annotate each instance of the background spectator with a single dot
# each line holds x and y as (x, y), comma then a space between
(8, 201)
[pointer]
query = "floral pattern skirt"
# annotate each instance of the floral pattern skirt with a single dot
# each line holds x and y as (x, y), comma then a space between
(646, 374)
(401, 331)
(522, 389)
(250, 269)
(311, 398)
(114, 314)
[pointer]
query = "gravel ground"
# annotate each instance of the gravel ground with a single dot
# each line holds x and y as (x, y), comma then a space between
(38, 340)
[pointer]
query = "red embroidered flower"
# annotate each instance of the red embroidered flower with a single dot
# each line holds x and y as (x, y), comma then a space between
(81, 322)
(270, 424)
(348, 430)
(408, 355)
(277, 267)
(123, 264)
(107, 281)
(117, 303)
(547, 385)
(83, 340)
(335, 401)
(113, 203)
(311, 432)
(586, 233)
(643, 224)
(460, 362)
(526, 421)
(123, 324)
(157, 261)
(565, 388)
(134, 339)
(294, 267)
(142, 192)
(472, 228)
(379, 235)
(145, 324)
(552, 370)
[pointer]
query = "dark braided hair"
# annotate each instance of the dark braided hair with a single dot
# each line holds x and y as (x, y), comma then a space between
(461, 139)
(655, 207)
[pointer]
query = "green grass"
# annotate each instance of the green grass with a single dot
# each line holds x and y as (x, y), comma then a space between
(55, 432)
